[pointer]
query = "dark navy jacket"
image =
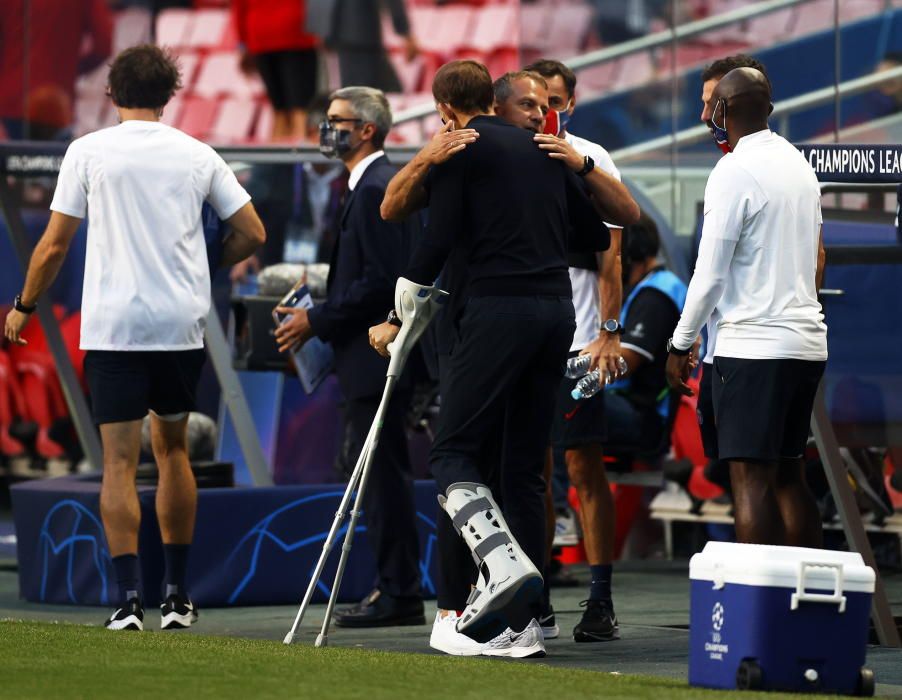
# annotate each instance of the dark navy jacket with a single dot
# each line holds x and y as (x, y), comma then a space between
(369, 256)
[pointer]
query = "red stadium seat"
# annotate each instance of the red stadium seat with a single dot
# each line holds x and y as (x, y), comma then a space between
(534, 22)
(450, 28)
(209, 28)
(410, 73)
(770, 28)
(635, 69)
(812, 17)
(567, 29)
(220, 76)
(235, 121)
(174, 26)
(197, 116)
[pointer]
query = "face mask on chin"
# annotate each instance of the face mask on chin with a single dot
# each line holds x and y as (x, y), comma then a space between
(720, 132)
(334, 143)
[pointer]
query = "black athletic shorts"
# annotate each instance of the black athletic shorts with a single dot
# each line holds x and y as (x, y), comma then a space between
(125, 384)
(705, 412)
(763, 407)
(289, 76)
(577, 422)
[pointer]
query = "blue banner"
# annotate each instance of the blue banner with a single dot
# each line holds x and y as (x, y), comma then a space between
(859, 163)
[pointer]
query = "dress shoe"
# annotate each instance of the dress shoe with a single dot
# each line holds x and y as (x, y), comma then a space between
(379, 609)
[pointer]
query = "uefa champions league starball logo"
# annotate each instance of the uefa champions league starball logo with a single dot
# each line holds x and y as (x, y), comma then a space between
(717, 617)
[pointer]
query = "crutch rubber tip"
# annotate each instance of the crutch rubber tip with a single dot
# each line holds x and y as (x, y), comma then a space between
(321, 641)
(289, 638)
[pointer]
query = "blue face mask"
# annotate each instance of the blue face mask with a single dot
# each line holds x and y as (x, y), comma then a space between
(333, 143)
(720, 132)
(556, 121)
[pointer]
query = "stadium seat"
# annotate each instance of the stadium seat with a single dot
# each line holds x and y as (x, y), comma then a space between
(410, 73)
(209, 28)
(188, 63)
(596, 79)
(132, 26)
(567, 28)
(197, 116)
(534, 21)
(850, 10)
(234, 121)
(220, 76)
(634, 69)
(495, 39)
(173, 111)
(770, 28)
(174, 26)
(450, 28)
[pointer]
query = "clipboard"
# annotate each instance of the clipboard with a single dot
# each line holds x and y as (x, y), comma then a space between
(314, 360)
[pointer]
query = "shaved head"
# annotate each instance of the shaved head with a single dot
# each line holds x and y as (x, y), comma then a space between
(742, 100)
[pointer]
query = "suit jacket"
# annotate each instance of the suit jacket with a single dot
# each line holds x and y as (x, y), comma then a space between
(369, 256)
(354, 23)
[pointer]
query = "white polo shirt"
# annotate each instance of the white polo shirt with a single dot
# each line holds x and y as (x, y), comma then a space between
(585, 282)
(147, 279)
(758, 255)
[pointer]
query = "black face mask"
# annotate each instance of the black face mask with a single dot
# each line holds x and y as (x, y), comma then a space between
(334, 143)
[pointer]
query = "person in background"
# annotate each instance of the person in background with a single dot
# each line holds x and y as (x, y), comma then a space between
(275, 43)
(638, 407)
(300, 203)
(145, 304)
(40, 63)
(353, 29)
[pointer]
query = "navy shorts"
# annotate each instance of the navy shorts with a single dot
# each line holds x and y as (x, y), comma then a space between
(580, 422)
(705, 412)
(763, 407)
(124, 385)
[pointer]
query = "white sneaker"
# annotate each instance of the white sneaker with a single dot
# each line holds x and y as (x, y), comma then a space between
(517, 645)
(446, 638)
(566, 530)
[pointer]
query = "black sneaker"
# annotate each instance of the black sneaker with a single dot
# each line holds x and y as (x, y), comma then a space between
(599, 623)
(548, 623)
(129, 617)
(177, 612)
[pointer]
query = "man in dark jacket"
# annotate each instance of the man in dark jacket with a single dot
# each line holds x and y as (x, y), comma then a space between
(368, 257)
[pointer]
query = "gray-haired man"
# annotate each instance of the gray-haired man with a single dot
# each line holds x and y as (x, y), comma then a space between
(369, 255)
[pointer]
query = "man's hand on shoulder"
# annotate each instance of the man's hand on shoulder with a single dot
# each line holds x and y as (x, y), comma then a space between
(559, 149)
(447, 142)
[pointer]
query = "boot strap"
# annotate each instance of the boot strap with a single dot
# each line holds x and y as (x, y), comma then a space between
(490, 543)
(468, 510)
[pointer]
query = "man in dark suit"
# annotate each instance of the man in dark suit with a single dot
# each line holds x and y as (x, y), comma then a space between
(353, 29)
(369, 256)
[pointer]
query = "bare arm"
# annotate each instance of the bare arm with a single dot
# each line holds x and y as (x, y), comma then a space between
(48, 256)
(406, 193)
(610, 196)
(247, 235)
(46, 261)
(605, 350)
(821, 261)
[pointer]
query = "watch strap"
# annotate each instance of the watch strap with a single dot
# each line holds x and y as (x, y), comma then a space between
(21, 308)
(676, 351)
(588, 166)
(394, 319)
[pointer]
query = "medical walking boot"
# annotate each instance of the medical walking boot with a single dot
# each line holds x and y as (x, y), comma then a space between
(508, 583)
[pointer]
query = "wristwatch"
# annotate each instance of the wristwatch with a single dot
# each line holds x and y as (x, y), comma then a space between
(21, 308)
(612, 325)
(676, 351)
(394, 319)
(588, 167)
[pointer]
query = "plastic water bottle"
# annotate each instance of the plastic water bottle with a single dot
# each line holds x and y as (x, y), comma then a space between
(577, 366)
(590, 385)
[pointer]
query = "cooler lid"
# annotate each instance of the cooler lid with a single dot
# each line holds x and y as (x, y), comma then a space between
(769, 565)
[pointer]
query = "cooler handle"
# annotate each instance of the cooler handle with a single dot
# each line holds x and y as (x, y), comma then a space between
(802, 596)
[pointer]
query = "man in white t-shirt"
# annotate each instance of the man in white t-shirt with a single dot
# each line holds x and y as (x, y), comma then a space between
(759, 265)
(145, 302)
(580, 426)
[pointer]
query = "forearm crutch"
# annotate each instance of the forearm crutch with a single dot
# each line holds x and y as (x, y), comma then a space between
(416, 306)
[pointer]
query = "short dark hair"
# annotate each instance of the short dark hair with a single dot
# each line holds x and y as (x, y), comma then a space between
(641, 240)
(504, 86)
(144, 77)
(549, 68)
(722, 66)
(465, 85)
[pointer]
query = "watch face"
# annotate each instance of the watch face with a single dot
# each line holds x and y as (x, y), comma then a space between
(611, 325)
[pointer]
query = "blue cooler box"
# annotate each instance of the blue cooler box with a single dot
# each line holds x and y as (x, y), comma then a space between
(779, 618)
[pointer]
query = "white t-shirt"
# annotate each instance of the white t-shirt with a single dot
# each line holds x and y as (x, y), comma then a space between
(758, 255)
(585, 282)
(147, 280)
